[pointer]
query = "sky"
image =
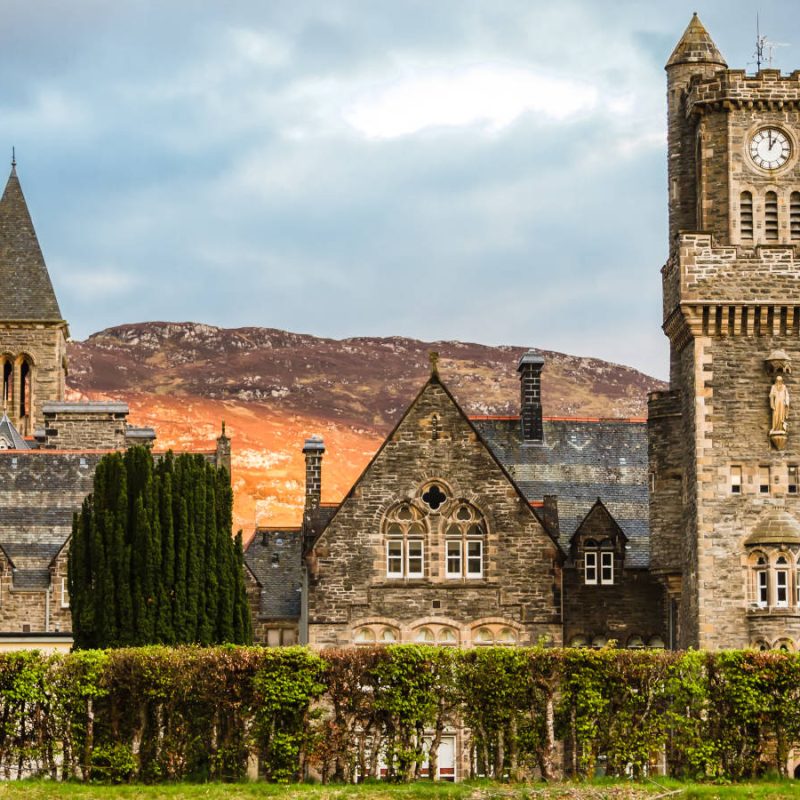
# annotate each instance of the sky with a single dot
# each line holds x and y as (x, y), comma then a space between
(485, 170)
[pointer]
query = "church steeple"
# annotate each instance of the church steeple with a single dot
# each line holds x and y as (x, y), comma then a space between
(696, 47)
(26, 292)
(33, 334)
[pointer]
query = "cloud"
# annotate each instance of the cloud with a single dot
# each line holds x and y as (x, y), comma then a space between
(490, 95)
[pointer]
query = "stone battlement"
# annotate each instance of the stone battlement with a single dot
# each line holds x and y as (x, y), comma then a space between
(766, 90)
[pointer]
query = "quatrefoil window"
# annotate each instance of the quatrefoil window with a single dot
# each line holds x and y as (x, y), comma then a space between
(434, 497)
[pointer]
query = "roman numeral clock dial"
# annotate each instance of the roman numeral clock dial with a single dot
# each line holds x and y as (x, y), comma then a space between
(770, 148)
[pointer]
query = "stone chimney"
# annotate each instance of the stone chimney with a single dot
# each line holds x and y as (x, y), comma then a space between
(530, 378)
(313, 450)
(223, 454)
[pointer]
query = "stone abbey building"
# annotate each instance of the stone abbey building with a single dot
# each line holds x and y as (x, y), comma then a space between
(679, 531)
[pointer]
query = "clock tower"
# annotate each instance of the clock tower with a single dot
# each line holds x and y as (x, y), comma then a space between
(725, 440)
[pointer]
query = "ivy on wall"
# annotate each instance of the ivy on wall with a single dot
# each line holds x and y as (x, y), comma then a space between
(159, 714)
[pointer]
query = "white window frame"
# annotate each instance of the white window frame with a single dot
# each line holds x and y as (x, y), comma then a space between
(409, 557)
(590, 567)
(453, 545)
(471, 559)
(64, 594)
(762, 587)
(606, 564)
(394, 557)
(782, 587)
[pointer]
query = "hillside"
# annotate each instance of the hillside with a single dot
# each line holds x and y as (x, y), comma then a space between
(274, 388)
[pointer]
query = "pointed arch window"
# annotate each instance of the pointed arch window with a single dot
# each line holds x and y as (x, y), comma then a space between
(25, 374)
(7, 391)
(404, 534)
(464, 543)
(781, 582)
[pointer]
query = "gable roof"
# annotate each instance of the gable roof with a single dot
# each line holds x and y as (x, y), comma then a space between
(434, 379)
(599, 508)
(26, 292)
(11, 434)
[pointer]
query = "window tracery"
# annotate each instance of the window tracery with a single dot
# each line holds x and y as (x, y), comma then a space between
(405, 542)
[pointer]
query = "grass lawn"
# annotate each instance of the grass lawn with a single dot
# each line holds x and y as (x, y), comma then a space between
(598, 790)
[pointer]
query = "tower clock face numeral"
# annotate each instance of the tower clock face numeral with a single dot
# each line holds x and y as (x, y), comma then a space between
(770, 148)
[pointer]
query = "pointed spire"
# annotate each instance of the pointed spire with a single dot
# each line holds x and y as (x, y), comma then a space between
(696, 47)
(26, 292)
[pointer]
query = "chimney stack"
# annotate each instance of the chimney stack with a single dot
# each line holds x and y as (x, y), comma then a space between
(313, 450)
(530, 378)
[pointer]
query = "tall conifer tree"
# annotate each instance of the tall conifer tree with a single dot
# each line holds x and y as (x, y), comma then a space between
(152, 559)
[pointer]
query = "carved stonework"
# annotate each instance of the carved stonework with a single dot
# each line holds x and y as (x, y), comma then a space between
(779, 402)
(778, 363)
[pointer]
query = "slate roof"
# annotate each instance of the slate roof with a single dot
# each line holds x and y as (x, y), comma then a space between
(696, 46)
(26, 292)
(581, 461)
(39, 492)
(274, 556)
(11, 434)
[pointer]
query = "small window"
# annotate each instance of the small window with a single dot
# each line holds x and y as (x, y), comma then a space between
(454, 558)
(365, 636)
(771, 217)
(794, 215)
(579, 641)
(590, 566)
(474, 558)
(64, 594)
(656, 643)
(434, 497)
(483, 636)
(746, 215)
(425, 636)
(388, 636)
(599, 641)
(762, 593)
(781, 588)
(792, 483)
(415, 560)
(736, 480)
(763, 480)
(635, 643)
(394, 558)
(606, 567)
(448, 636)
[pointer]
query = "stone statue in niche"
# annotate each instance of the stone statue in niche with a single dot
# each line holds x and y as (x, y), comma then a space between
(779, 402)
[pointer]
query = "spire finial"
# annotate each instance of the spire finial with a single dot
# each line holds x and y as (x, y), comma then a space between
(13, 157)
(433, 357)
(223, 429)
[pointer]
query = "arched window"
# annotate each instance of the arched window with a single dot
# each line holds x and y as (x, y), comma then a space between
(404, 533)
(746, 215)
(771, 217)
(781, 582)
(599, 641)
(785, 645)
(364, 636)
(464, 535)
(25, 371)
(759, 581)
(448, 636)
(483, 636)
(7, 391)
(635, 643)
(794, 216)
(579, 641)
(388, 635)
(506, 637)
(425, 636)
(656, 643)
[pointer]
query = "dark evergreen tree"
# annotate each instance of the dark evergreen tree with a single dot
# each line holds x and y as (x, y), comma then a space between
(152, 558)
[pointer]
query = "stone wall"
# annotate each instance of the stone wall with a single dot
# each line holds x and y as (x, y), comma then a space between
(44, 345)
(348, 585)
(85, 426)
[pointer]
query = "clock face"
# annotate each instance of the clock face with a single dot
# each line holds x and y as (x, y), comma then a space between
(770, 148)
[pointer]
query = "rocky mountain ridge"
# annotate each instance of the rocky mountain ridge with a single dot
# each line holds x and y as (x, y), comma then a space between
(275, 387)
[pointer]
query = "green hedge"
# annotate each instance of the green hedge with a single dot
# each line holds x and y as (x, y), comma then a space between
(163, 714)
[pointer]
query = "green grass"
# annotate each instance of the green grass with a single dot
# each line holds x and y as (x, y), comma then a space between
(596, 790)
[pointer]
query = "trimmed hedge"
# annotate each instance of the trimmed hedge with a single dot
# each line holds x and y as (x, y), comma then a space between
(163, 714)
